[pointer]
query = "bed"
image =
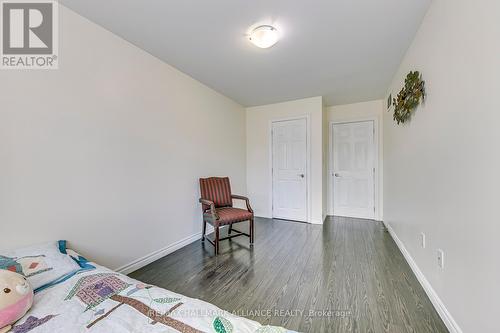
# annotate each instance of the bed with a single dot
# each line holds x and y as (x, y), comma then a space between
(95, 299)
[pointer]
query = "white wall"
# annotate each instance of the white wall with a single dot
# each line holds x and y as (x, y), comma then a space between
(325, 166)
(442, 170)
(350, 113)
(259, 180)
(106, 151)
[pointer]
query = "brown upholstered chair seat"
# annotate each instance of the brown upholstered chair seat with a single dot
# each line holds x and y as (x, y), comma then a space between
(228, 215)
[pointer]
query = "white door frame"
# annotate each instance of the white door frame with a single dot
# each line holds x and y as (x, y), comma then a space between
(308, 163)
(377, 162)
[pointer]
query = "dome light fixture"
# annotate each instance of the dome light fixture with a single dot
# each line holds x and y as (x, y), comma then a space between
(264, 36)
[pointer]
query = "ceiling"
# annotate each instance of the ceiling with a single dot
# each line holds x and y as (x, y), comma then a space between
(344, 50)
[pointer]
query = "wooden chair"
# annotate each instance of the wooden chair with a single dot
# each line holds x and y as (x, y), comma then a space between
(218, 210)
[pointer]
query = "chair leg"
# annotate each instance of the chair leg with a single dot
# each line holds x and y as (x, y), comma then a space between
(230, 228)
(204, 230)
(216, 240)
(251, 231)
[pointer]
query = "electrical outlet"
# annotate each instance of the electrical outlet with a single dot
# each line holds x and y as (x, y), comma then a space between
(440, 257)
(422, 240)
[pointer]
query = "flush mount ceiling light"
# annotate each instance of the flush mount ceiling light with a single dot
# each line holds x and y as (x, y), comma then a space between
(264, 36)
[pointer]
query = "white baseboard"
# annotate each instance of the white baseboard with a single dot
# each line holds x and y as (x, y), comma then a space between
(311, 221)
(445, 315)
(153, 256)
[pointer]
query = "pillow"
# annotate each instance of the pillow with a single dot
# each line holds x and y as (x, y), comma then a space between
(80, 260)
(43, 265)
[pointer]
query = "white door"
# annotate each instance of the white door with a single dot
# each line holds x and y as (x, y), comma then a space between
(353, 169)
(289, 145)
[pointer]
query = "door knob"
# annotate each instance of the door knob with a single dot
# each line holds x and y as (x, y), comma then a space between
(337, 175)
(302, 175)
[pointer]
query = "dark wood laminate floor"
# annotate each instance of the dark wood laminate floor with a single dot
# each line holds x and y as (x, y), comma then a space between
(345, 276)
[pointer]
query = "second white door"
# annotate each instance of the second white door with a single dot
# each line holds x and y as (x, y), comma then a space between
(354, 169)
(289, 162)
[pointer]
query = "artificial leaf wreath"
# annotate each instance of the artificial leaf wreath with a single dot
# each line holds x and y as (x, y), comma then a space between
(409, 97)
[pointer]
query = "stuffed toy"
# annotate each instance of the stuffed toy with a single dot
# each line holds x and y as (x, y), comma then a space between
(16, 298)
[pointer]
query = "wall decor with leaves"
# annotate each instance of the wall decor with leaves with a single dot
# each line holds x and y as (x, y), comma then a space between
(409, 97)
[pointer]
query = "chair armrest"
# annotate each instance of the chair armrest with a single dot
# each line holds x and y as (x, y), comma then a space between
(212, 207)
(247, 201)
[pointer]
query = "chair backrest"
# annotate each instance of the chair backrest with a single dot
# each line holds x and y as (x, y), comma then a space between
(216, 189)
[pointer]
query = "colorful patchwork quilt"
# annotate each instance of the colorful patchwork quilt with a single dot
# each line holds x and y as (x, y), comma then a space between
(103, 301)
